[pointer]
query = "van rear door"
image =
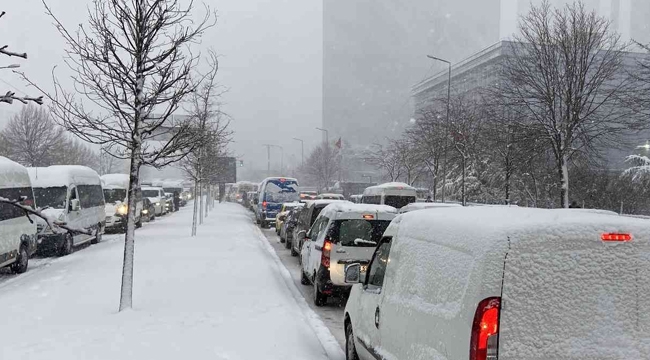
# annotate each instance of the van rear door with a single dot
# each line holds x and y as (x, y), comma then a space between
(576, 297)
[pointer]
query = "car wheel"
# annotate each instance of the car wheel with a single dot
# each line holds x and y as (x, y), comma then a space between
(98, 235)
(20, 266)
(263, 224)
(350, 348)
(287, 244)
(303, 278)
(320, 299)
(66, 247)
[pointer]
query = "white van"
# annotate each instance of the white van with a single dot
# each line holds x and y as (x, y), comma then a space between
(395, 194)
(17, 233)
(503, 283)
(116, 188)
(157, 197)
(72, 194)
(343, 233)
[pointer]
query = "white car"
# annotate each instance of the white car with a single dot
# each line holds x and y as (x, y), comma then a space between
(72, 194)
(116, 187)
(157, 197)
(343, 233)
(17, 232)
(503, 283)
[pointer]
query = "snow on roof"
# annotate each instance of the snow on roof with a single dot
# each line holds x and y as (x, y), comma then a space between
(425, 205)
(319, 202)
(332, 195)
(331, 210)
(152, 188)
(378, 189)
(172, 183)
(63, 175)
(115, 181)
(12, 174)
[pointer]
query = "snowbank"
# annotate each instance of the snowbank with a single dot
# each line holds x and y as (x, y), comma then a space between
(215, 296)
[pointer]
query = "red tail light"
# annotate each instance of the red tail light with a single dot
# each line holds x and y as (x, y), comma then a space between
(327, 249)
(616, 237)
(264, 203)
(484, 344)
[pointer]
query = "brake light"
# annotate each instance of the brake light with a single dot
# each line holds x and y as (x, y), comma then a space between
(28, 202)
(264, 203)
(484, 343)
(327, 250)
(615, 237)
(368, 217)
(282, 180)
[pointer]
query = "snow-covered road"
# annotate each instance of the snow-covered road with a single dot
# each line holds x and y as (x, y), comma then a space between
(221, 295)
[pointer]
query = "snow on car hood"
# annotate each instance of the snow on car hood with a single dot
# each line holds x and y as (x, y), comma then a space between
(53, 214)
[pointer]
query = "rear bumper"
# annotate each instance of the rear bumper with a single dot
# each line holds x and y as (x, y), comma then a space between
(325, 285)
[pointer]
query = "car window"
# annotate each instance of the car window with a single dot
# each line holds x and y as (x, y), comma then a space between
(377, 267)
(73, 196)
(398, 201)
(358, 232)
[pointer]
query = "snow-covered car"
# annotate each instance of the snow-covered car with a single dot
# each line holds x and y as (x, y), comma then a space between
(307, 195)
(72, 194)
(426, 205)
(116, 187)
(329, 196)
(157, 196)
(170, 206)
(343, 233)
(306, 218)
(282, 215)
(17, 232)
(148, 210)
(506, 283)
(395, 194)
(286, 232)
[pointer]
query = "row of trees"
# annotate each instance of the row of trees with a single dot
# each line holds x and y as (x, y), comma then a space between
(565, 96)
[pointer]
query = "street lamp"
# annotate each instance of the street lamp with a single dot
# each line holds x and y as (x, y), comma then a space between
(444, 165)
(327, 135)
(302, 151)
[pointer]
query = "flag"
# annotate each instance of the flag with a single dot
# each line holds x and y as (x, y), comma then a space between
(338, 143)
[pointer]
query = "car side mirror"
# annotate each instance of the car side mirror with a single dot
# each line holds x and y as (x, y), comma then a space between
(353, 274)
(74, 205)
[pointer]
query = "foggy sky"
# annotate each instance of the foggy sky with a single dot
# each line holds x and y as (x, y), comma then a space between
(271, 62)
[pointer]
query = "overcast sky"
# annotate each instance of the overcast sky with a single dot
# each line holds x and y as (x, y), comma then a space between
(271, 62)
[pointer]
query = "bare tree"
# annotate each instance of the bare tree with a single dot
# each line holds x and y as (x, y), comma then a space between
(77, 153)
(566, 70)
(385, 159)
(32, 138)
(10, 96)
(132, 62)
(322, 165)
(427, 134)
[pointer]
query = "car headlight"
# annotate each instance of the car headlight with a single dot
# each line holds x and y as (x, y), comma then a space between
(145, 211)
(157, 204)
(122, 209)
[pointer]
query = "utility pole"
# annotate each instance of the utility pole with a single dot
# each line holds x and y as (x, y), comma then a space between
(444, 164)
(302, 151)
(268, 157)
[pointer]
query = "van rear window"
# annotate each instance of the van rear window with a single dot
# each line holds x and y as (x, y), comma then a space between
(398, 201)
(358, 232)
(8, 211)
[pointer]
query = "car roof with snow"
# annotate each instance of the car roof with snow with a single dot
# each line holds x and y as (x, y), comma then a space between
(115, 181)
(479, 229)
(349, 210)
(331, 194)
(324, 202)
(12, 174)
(425, 205)
(387, 187)
(63, 175)
(153, 188)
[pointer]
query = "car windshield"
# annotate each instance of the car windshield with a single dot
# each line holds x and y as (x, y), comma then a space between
(150, 193)
(398, 201)
(51, 197)
(358, 232)
(112, 196)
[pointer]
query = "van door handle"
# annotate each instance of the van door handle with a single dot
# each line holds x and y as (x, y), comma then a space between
(377, 317)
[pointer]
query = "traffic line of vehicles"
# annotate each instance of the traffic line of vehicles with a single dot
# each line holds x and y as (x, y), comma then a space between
(430, 280)
(70, 194)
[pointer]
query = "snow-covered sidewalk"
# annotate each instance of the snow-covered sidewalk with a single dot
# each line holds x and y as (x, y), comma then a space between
(220, 295)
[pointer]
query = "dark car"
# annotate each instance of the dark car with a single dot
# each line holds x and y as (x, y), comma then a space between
(148, 210)
(286, 231)
(306, 218)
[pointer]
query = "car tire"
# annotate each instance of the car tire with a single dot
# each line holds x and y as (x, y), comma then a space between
(350, 347)
(303, 278)
(67, 245)
(98, 236)
(263, 224)
(287, 244)
(320, 299)
(293, 251)
(22, 261)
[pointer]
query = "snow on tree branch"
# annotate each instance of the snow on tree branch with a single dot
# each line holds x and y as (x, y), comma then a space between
(55, 225)
(640, 168)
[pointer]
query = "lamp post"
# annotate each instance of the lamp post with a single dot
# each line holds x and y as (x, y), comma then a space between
(327, 135)
(444, 165)
(302, 151)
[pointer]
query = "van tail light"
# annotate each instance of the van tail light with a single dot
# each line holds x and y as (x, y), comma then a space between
(264, 203)
(615, 237)
(484, 344)
(327, 250)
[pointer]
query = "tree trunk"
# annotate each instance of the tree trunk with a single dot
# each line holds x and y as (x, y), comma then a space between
(507, 182)
(126, 294)
(200, 202)
(563, 172)
(464, 201)
(196, 204)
